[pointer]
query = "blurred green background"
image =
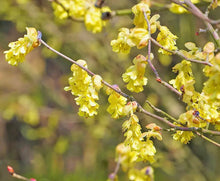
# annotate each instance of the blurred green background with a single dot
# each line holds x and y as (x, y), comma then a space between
(42, 136)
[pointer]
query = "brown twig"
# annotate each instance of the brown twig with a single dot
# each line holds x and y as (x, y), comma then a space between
(162, 112)
(196, 11)
(149, 47)
(164, 83)
(114, 174)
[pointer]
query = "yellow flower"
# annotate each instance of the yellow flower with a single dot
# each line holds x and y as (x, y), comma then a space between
(88, 106)
(183, 136)
(147, 150)
(139, 37)
(134, 75)
(127, 157)
(82, 10)
(82, 86)
(117, 103)
(175, 8)
(133, 133)
(60, 11)
(93, 20)
(167, 40)
(22, 47)
(129, 38)
(139, 19)
(184, 82)
(80, 81)
(97, 81)
(135, 139)
(130, 108)
(145, 174)
(77, 8)
(123, 43)
(188, 118)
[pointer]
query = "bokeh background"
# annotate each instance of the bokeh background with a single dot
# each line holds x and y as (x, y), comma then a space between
(41, 134)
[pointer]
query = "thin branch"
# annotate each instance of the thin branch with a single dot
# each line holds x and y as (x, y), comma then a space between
(149, 47)
(113, 175)
(196, 11)
(17, 176)
(87, 70)
(142, 110)
(162, 112)
(208, 139)
(164, 83)
(180, 54)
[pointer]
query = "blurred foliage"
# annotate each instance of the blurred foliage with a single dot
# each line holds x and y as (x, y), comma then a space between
(41, 134)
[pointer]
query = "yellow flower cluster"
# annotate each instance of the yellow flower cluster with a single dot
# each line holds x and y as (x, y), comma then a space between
(167, 40)
(183, 136)
(139, 35)
(22, 47)
(206, 102)
(85, 88)
(184, 82)
(128, 159)
(117, 103)
(82, 9)
(143, 150)
(137, 147)
(139, 19)
(134, 75)
(206, 54)
(189, 119)
(209, 103)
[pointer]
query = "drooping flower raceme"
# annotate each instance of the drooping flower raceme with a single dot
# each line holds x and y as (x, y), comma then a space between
(167, 40)
(184, 82)
(142, 148)
(22, 47)
(85, 88)
(134, 75)
(209, 103)
(117, 103)
(123, 43)
(139, 19)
